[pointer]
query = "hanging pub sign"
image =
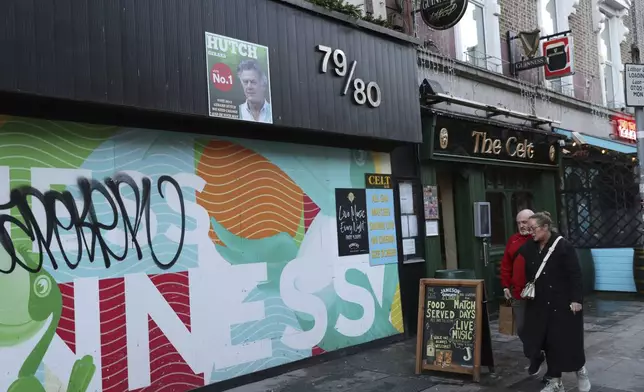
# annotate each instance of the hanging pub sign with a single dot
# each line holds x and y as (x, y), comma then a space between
(624, 129)
(530, 43)
(556, 53)
(559, 52)
(442, 14)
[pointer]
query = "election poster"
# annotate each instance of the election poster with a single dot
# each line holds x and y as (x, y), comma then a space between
(239, 84)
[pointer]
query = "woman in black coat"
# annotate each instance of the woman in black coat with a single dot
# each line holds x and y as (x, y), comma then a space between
(554, 319)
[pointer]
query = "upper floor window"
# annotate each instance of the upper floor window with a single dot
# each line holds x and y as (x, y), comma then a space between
(477, 36)
(611, 34)
(606, 64)
(553, 18)
(473, 41)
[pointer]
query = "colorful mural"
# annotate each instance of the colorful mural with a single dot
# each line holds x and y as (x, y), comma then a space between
(144, 260)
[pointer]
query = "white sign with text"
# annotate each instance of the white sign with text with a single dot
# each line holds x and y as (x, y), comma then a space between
(634, 84)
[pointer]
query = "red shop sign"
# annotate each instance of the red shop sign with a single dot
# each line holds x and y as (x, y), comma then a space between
(625, 128)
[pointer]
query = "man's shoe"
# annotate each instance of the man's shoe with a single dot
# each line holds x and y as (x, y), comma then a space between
(554, 385)
(536, 365)
(583, 383)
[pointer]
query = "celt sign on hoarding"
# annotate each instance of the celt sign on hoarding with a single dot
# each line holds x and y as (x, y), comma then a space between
(442, 14)
(239, 84)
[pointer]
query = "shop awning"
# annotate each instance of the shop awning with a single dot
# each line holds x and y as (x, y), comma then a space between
(607, 144)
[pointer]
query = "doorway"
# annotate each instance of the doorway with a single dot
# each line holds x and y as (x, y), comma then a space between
(447, 220)
(508, 191)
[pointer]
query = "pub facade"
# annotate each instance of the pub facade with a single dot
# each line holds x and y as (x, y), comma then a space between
(194, 193)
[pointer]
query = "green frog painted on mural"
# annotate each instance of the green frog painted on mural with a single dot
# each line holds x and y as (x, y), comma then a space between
(31, 305)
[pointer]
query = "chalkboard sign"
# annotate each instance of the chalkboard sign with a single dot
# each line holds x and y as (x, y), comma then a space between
(453, 327)
(351, 217)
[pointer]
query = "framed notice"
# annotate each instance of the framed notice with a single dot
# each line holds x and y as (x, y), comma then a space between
(239, 85)
(453, 327)
(351, 211)
(430, 202)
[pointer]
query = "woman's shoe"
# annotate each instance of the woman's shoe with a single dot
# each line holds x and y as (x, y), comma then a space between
(554, 385)
(583, 382)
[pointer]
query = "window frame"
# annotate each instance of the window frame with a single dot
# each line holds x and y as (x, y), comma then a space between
(613, 18)
(491, 33)
(563, 10)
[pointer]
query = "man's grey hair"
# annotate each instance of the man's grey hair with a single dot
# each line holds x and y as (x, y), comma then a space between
(527, 212)
(252, 65)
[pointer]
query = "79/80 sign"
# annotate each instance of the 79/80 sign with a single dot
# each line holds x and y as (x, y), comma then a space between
(362, 93)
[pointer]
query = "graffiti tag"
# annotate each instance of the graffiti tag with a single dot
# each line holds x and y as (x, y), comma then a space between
(84, 221)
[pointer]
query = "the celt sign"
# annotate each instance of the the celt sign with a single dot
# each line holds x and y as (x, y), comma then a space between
(559, 53)
(634, 84)
(442, 14)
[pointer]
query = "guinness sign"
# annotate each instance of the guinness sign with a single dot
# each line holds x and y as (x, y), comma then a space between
(442, 14)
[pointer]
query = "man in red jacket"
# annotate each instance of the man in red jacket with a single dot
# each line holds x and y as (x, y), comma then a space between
(513, 269)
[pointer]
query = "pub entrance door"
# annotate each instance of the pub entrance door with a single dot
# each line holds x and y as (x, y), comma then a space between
(508, 190)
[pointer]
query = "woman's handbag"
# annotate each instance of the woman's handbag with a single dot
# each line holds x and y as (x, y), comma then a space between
(529, 291)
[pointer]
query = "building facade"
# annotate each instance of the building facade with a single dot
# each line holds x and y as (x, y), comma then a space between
(473, 83)
(195, 192)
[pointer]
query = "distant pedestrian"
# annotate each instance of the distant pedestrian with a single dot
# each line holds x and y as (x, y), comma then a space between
(513, 270)
(554, 317)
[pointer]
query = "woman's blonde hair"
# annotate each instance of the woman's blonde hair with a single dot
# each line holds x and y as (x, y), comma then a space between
(544, 218)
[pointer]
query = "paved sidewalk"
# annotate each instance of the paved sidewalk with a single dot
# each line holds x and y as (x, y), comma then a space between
(614, 349)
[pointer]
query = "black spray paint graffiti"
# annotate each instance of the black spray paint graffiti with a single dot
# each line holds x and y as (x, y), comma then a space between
(80, 222)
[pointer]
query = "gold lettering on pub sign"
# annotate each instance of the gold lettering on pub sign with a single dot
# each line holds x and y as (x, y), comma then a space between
(513, 146)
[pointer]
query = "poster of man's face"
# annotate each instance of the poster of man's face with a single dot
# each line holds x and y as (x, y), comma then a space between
(253, 82)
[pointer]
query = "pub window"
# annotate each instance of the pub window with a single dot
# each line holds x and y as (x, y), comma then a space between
(410, 220)
(497, 213)
(522, 201)
(600, 201)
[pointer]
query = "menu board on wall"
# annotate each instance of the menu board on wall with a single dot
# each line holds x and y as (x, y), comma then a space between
(453, 327)
(380, 216)
(351, 210)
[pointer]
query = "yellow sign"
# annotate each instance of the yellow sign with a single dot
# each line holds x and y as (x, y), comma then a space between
(382, 181)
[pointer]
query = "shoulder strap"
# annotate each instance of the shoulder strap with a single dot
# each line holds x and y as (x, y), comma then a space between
(545, 259)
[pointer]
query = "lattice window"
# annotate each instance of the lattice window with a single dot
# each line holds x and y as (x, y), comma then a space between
(600, 203)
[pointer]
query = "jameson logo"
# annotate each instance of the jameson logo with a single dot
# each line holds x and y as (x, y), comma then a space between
(442, 14)
(239, 85)
(351, 215)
